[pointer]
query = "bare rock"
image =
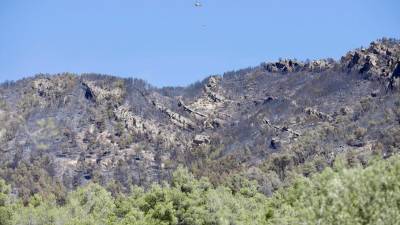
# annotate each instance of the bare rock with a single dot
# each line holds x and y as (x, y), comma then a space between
(356, 143)
(201, 139)
(284, 66)
(176, 118)
(100, 94)
(317, 114)
(394, 81)
(275, 144)
(376, 61)
(346, 111)
(319, 65)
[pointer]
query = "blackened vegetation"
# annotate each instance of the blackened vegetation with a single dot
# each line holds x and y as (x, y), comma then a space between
(261, 123)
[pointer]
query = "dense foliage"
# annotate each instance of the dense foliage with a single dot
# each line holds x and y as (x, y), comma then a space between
(340, 195)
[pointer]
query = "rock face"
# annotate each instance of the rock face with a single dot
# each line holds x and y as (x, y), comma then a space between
(100, 94)
(290, 65)
(319, 65)
(211, 97)
(394, 82)
(378, 60)
(201, 139)
(284, 66)
(67, 129)
(317, 114)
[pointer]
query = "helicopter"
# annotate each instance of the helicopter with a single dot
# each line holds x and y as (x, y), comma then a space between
(198, 4)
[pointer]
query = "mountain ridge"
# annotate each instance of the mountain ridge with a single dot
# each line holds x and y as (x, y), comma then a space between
(262, 123)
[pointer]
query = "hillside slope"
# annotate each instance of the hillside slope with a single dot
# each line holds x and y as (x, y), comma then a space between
(58, 132)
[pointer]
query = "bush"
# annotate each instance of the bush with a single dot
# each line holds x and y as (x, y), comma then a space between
(335, 196)
(347, 196)
(5, 211)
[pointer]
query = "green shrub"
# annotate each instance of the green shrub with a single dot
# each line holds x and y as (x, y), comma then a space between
(340, 195)
(347, 196)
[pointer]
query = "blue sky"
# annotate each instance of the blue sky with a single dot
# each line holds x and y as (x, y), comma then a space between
(171, 42)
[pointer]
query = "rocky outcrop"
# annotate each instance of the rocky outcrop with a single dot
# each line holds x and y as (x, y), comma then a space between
(145, 127)
(376, 61)
(132, 121)
(319, 65)
(362, 62)
(317, 114)
(292, 65)
(101, 94)
(46, 89)
(176, 118)
(211, 89)
(346, 111)
(211, 99)
(394, 81)
(281, 129)
(43, 86)
(284, 66)
(190, 110)
(275, 143)
(201, 139)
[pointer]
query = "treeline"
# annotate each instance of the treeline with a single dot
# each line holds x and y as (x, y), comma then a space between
(338, 195)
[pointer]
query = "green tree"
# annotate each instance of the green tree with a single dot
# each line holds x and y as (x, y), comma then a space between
(91, 204)
(5, 210)
(346, 196)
